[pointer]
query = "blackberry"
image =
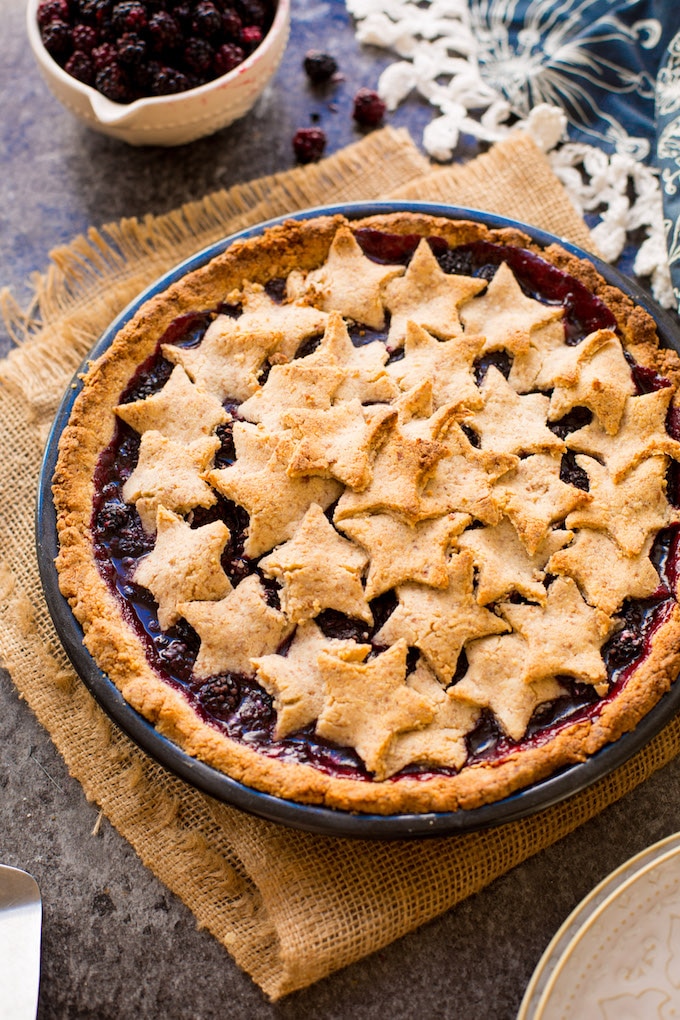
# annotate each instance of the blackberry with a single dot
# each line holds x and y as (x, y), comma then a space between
(227, 58)
(112, 82)
(253, 12)
(167, 81)
(105, 55)
(131, 49)
(112, 516)
(165, 33)
(199, 55)
(57, 39)
(456, 261)
(309, 144)
(220, 695)
(129, 16)
(207, 20)
(231, 24)
(52, 10)
(84, 38)
(79, 65)
(251, 37)
(319, 67)
(369, 109)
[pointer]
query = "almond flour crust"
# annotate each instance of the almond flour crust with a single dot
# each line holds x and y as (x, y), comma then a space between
(119, 652)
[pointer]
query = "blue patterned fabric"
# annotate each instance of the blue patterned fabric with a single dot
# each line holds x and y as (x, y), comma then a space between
(612, 65)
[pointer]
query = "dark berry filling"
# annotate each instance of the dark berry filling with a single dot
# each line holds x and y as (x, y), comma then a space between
(236, 704)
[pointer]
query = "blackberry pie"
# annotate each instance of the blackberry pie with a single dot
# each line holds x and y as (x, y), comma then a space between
(380, 514)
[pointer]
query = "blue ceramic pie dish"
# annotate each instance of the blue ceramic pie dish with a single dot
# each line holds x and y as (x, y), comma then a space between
(321, 820)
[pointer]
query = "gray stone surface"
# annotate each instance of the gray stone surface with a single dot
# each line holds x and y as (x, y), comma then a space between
(116, 943)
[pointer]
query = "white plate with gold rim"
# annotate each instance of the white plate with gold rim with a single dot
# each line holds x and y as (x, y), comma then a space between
(617, 955)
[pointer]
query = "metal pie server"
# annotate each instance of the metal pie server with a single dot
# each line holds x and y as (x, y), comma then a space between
(20, 925)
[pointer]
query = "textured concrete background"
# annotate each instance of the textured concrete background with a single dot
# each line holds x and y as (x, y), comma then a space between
(116, 943)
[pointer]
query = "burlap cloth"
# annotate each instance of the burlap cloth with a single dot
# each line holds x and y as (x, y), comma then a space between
(290, 907)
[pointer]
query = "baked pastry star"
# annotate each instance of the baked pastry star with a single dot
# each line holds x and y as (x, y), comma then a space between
(428, 296)
(348, 282)
(564, 637)
(642, 433)
(495, 679)
(441, 742)
(447, 363)
(505, 316)
(169, 473)
(184, 565)
(629, 510)
(294, 680)
(594, 374)
(293, 321)
(440, 623)
(503, 564)
(228, 360)
(370, 724)
(534, 497)
(297, 384)
(605, 574)
(319, 570)
(259, 481)
(235, 630)
(464, 479)
(180, 410)
(401, 552)
(509, 423)
(365, 376)
(338, 443)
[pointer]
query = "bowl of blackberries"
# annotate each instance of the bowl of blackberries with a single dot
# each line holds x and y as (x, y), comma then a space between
(158, 72)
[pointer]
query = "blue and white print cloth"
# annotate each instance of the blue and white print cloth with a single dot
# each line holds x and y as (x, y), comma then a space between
(613, 66)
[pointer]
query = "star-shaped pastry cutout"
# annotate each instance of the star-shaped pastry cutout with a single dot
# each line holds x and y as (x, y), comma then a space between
(503, 564)
(602, 381)
(442, 742)
(505, 316)
(495, 680)
(534, 497)
(293, 321)
(235, 630)
(447, 363)
(294, 680)
(258, 480)
(564, 637)
(370, 724)
(365, 377)
(428, 296)
(400, 469)
(180, 410)
(464, 479)
(642, 433)
(184, 565)
(349, 282)
(228, 360)
(605, 575)
(297, 384)
(440, 623)
(319, 570)
(338, 443)
(509, 423)
(629, 510)
(401, 552)
(169, 473)
(545, 343)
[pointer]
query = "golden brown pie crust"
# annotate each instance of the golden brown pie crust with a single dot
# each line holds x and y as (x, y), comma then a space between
(301, 247)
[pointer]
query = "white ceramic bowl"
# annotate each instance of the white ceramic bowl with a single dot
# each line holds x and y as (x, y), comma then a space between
(174, 119)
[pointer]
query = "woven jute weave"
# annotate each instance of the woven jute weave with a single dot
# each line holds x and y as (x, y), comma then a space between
(290, 907)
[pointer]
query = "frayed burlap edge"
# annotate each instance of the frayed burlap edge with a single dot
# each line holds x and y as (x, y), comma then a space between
(290, 907)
